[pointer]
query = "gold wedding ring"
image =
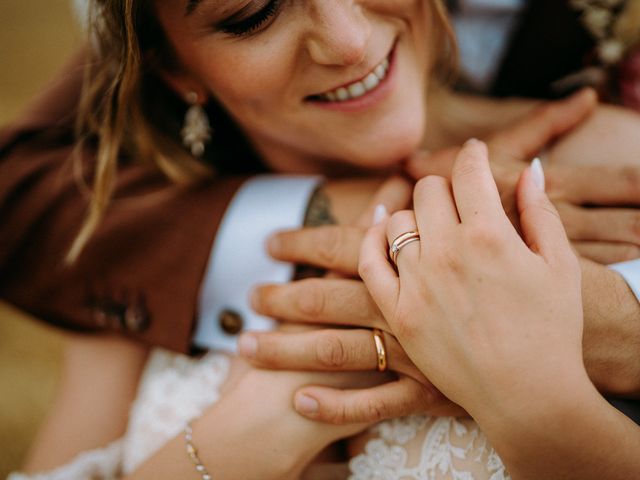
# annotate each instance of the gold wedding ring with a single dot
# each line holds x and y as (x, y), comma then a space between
(378, 339)
(402, 241)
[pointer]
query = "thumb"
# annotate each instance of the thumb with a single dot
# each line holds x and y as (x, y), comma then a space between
(542, 229)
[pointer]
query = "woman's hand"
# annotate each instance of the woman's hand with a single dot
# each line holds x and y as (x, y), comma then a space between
(491, 319)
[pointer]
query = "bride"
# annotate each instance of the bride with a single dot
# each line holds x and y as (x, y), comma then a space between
(314, 87)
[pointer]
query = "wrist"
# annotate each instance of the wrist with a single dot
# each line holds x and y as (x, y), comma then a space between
(521, 415)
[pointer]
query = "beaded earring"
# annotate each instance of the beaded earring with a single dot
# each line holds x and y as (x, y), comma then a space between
(196, 131)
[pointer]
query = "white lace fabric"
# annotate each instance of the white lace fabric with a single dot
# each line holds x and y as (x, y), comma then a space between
(176, 389)
(426, 448)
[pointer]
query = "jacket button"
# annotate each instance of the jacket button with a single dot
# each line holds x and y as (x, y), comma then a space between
(231, 322)
(136, 317)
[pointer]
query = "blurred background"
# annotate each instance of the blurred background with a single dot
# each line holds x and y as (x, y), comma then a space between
(36, 37)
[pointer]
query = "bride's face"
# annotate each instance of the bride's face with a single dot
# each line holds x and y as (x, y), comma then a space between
(319, 80)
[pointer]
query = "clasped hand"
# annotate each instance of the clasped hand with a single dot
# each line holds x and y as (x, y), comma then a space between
(346, 302)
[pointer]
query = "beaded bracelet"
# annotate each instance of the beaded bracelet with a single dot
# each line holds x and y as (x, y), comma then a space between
(193, 452)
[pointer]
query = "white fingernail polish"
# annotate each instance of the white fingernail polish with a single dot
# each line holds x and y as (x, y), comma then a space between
(471, 141)
(379, 214)
(537, 173)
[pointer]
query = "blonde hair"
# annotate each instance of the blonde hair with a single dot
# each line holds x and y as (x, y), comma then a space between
(117, 111)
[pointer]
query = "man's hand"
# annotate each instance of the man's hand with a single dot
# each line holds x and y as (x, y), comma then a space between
(607, 234)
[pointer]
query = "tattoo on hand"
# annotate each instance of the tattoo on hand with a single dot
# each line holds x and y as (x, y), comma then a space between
(319, 210)
(318, 214)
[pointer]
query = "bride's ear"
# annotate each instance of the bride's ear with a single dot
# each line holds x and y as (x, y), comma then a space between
(184, 85)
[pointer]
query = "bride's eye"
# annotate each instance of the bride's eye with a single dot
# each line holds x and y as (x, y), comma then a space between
(246, 26)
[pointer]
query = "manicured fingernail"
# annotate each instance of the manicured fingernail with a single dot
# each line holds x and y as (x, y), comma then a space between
(247, 345)
(538, 174)
(471, 141)
(306, 405)
(274, 245)
(379, 214)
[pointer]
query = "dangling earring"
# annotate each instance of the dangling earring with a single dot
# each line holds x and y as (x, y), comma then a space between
(197, 130)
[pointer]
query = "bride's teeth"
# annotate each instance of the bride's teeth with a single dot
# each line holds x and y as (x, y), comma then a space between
(371, 81)
(342, 94)
(358, 89)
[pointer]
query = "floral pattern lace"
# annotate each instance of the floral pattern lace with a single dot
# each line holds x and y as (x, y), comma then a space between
(425, 448)
(175, 389)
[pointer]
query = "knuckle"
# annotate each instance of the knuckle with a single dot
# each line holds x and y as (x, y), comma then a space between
(311, 299)
(335, 414)
(630, 252)
(329, 244)
(484, 237)
(631, 178)
(375, 409)
(467, 168)
(429, 182)
(331, 352)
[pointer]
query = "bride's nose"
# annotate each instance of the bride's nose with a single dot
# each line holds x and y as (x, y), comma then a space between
(338, 33)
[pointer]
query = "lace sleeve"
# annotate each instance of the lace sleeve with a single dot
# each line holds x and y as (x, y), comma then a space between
(425, 448)
(100, 464)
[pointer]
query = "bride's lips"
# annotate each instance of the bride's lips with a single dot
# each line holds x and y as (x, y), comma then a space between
(363, 93)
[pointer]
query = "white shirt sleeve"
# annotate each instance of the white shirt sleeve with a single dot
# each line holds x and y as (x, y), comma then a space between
(630, 271)
(239, 260)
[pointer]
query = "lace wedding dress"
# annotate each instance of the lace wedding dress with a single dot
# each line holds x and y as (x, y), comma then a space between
(175, 389)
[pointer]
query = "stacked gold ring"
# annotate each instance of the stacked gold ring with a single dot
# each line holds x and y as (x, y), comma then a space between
(402, 241)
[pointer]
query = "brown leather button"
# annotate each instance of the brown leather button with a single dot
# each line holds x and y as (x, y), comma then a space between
(100, 317)
(231, 322)
(136, 317)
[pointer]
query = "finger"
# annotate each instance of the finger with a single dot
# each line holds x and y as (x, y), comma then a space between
(422, 163)
(474, 189)
(320, 301)
(324, 351)
(395, 399)
(401, 223)
(435, 210)
(333, 247)
(379, 276)
(601, 224)
(599, 185)
(549, 121)
(542, 228)
(606, 252)
(394, 194)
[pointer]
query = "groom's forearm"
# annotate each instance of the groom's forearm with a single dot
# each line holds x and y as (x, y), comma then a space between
(611, 341)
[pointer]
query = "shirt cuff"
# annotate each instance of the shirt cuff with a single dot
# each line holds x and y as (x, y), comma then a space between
(630, 271)
(239, 260)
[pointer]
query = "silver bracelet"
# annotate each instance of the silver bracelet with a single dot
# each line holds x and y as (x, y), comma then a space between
(193, 452)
